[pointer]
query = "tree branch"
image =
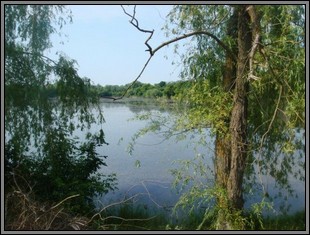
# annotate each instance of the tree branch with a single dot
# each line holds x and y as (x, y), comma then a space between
(263, 138)
(125, 92)
(40, 55)
(255, 39)
(135, 23)
(201, 32)
(72, 196)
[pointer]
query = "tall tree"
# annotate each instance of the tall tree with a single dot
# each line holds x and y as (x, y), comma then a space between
(39, 144)
(247, 64)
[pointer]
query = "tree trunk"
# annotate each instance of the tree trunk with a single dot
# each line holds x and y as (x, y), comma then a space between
(238, 122)
(222, 143)
(223, 140)
(231, 147)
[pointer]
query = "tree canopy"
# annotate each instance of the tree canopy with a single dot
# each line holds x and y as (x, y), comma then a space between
(246, 67)
(42, 151)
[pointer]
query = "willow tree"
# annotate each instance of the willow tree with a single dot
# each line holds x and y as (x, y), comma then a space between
(247, 67)
(41, 154)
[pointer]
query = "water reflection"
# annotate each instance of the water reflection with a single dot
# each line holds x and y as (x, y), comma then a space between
(136, 105)
(152, 182)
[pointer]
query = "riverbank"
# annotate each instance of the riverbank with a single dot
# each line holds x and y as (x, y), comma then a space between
(129, 217)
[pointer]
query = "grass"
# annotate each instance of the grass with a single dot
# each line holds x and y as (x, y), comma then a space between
(295, 221)
(22, 212)
(129, 217)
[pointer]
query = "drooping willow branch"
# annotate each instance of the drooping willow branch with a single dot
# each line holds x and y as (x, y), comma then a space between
(152, 51)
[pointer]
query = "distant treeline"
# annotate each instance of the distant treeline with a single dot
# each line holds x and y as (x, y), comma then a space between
(146, 90)
(138, 89)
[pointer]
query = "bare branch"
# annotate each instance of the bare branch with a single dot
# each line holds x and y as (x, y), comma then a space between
(72, 196)
(113, 204)
(124, 219)
(135, 23)
(125, 92)
(186, 35)
(255, 39)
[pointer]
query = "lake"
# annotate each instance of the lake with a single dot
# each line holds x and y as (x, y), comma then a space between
(151, 177)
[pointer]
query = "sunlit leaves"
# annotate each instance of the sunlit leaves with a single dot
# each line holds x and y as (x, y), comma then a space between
(207, 107)
(281, 67)
(276, 101)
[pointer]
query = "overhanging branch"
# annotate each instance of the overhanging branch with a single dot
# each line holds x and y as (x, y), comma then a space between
(186, 35)
(152, 51)
(125, 92)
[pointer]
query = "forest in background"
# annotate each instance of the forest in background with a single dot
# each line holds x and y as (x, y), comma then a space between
(138, 89)
(243, 77)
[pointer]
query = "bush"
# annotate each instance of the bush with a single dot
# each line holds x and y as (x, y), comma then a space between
(66, 169)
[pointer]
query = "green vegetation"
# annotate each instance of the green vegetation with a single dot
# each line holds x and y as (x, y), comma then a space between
(163, 89)
(24, 213)
(296, 221)
(243, 77)
(42, 154)
(246, 64)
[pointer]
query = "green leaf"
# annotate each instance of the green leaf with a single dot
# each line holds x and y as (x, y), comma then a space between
(137, 163)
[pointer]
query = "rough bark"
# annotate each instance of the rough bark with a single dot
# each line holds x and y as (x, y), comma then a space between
(238, 122)
(222, 162)
(231, 144)
(222, 143)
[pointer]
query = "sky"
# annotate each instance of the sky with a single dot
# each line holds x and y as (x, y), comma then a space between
(111, 51)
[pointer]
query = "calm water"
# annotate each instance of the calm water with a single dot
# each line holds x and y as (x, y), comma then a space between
(153, 179)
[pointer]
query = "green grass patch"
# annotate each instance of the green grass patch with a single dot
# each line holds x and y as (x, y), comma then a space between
(295, 221)
(140, 217)
(130, 217)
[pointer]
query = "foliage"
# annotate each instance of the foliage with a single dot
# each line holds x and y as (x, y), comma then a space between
(275, 119)
(274, 103)
(22, 212)
(195, 181)
(277, 122)
(207, 107)
(139, 89)
(40, 132)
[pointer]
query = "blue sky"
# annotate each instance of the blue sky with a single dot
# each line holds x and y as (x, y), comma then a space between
(109, 50)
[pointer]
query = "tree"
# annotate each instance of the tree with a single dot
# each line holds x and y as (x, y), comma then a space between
(40, 147)
(247, 67)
